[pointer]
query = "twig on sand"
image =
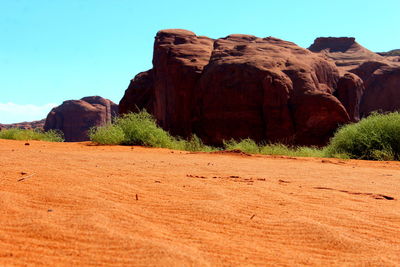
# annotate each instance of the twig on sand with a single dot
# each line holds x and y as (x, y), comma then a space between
(251, 218)
(137, 197)
(25, 177)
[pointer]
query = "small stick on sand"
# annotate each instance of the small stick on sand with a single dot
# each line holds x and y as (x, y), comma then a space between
(26, 177)
(137, 198)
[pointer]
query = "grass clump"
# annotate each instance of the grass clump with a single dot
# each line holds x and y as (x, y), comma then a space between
(35, 134)
(142, 129)
(249, 146)
(246, 145)
(376, 137)
(301, 151)
(193, 144)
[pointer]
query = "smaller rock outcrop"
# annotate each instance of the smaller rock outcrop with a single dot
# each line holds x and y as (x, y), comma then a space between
(75, 117)
(365, 70)
(382, 91)
(350, 89)
(317, 115)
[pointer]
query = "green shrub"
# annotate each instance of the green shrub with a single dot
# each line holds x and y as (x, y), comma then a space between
(142, 129)
(36, 134)
(376, 137)
(107, 135)
(132, 129)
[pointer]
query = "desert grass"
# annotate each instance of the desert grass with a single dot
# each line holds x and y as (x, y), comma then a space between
(249, 146)
(376, 137)
(35, 134)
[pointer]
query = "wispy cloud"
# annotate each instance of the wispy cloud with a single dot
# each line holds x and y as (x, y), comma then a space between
(12, 113)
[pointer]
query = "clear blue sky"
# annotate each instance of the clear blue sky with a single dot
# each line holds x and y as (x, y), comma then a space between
(54, 50)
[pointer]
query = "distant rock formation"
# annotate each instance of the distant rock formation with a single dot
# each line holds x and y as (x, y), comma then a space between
(345, 51)
(240, 86)
(380, 75)
(75, 117)
(24, 125)
(392, 55)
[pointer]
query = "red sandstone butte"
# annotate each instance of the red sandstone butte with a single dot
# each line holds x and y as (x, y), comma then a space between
(240, 86)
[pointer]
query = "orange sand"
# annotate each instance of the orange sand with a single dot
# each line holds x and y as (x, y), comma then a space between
(72, 204)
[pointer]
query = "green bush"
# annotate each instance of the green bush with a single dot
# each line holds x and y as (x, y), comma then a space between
(107, 135)
(141, 129)
(376, 137)
(36, 134)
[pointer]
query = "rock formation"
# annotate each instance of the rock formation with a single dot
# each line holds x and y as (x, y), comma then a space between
(380, 75)
(350, 90)
(27, 125)
(178, 60)
(382, 90)
(345, 51)
(392, 55)
(140, 92)
(238, 87)
(75, 117)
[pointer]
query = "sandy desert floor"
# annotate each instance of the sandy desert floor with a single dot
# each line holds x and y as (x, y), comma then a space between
(66, 204)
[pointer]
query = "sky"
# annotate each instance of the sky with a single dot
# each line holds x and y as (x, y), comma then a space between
(56, 50)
